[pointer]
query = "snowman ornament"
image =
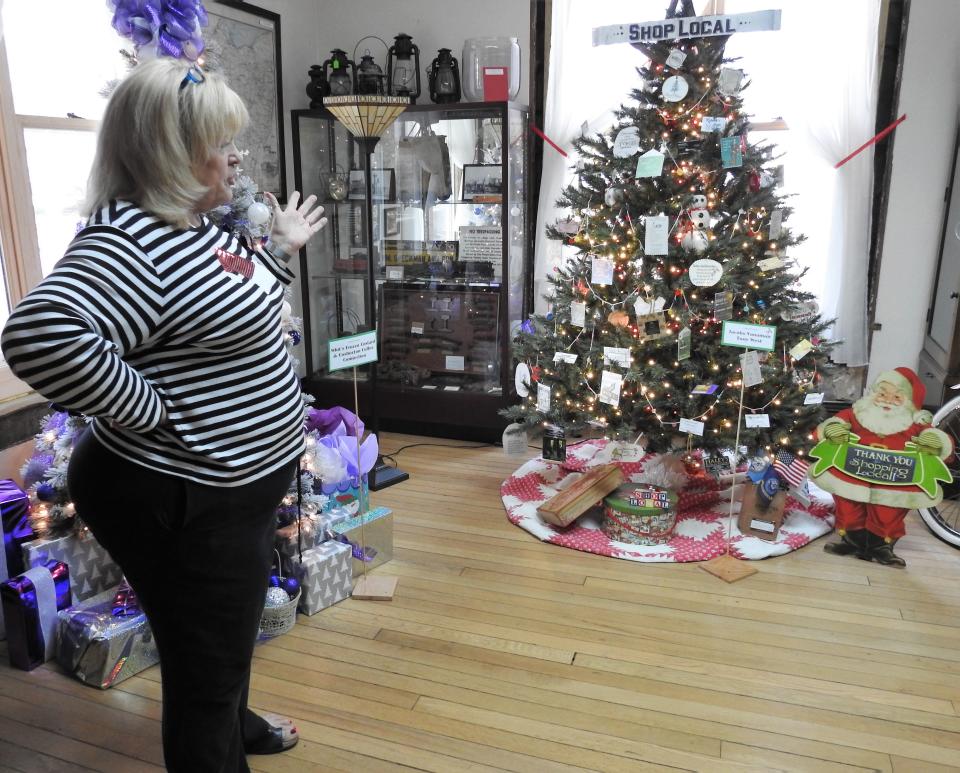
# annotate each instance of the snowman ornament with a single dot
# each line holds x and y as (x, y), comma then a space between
(697, 237)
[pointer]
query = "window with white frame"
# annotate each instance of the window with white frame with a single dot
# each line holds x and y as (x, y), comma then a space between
(56, 60)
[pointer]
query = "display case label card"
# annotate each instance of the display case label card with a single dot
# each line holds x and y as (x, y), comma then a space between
(650, 164)
(351, 351)
(692, 426)
(395, 273)
(481, 243)
(610, 385)
(578, 313)
(616, 355)
(602, 271)
(543, 398)
(813, 398)
(656, 234)
(417, 328)
(454, 363)
(451, 389)
(568, 357)
(750, 369)
(757, 420)
(747, 335)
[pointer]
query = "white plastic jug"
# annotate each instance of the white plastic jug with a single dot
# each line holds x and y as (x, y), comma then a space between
(489, 52)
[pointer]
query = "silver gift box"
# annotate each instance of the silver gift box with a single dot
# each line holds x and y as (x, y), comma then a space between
(101, 649)
(92, 571)
(325, 576)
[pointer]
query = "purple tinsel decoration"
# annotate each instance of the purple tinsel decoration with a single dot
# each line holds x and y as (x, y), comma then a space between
(173, 24)
(527, 327)
(56, 422)
(325, 421)
(35, 468)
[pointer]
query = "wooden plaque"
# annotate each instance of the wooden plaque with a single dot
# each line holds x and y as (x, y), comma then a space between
(759, 522)
(564, 508)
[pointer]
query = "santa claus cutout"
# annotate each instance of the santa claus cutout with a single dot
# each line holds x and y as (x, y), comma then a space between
(874, 489)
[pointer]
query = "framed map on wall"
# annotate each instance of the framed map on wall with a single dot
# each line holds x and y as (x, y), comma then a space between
(243, 43)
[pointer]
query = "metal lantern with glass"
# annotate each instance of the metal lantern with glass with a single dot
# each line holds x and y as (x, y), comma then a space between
(403, 67)
(444, 78)
(366, 117)
(337, 70)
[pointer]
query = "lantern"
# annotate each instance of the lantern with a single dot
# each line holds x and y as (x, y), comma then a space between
(317, 88)
(403, 68)
(368, 77)
(444, 78)
(335, 70)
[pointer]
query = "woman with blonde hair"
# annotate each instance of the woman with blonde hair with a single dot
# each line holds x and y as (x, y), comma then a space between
(166, 331)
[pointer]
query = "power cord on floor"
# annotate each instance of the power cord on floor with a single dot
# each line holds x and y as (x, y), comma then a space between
(392, 454)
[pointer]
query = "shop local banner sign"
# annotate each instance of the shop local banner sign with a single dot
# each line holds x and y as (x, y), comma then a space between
(882, 467)
(686, 27)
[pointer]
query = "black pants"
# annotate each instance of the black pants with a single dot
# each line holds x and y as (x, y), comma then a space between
(199, 559)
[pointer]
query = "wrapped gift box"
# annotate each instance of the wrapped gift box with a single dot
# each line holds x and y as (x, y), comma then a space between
(30, 604)
(345, 495)
(325, 576)
(15, 525)
(92, 571)
(315, 530)
(102, 648)
(373, 543)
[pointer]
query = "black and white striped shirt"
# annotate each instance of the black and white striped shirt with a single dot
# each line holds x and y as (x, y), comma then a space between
(172, 339)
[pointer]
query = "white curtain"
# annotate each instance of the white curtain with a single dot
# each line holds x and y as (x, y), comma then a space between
(819, 72)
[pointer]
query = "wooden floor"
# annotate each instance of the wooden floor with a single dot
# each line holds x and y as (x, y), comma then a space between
(502, 653)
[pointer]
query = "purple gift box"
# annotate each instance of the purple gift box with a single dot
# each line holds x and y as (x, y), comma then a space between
(30, 605)
(14, 515)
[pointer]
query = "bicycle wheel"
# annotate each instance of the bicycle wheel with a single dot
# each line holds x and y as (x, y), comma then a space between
(944, 519)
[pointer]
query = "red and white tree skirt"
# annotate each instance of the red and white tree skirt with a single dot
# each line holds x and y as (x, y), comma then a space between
(702, 514)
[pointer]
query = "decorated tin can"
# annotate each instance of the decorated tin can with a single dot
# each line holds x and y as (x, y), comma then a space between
(640, 514)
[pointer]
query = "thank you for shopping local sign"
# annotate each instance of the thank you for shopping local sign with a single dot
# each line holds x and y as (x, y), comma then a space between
(686, 27)
(351, 351)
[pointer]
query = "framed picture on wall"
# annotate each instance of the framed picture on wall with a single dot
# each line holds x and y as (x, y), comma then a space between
(243, 43)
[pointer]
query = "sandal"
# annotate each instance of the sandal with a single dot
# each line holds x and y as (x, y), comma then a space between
(281, 736)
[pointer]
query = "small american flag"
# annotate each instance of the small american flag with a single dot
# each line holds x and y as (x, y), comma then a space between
(790, 468)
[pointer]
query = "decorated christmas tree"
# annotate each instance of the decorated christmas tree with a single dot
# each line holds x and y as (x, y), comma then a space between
(682, 264)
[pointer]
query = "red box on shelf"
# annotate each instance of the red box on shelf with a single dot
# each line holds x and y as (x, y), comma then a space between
(496, 84)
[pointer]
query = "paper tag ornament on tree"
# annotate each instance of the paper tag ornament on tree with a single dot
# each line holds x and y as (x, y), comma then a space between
(731, 151)
(650, 164)
(578, 313)
(543, 398)
(521, 378)
(750, 369)
(705, 272)
(676, 59)
(684, 338)
(656, 234)
(627, 142)
(729, 81)
(601, 271)
(610, 385)
(675, 88)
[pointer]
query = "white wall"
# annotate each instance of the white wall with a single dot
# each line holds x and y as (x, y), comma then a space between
(930, 96)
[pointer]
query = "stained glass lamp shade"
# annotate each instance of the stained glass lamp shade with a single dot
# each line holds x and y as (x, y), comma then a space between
(366, 116)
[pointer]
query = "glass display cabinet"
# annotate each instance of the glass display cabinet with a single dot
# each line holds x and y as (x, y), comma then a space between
(449, 259)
